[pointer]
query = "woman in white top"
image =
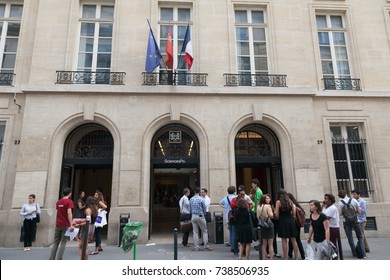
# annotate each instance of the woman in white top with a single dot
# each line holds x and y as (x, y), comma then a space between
(331, 211)
(267, 234)
(29, 211)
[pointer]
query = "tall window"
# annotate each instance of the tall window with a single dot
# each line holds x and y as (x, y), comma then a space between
(96, 39)
(10, 20)
(349, 153)
(251, 41)
(177, 18)
(333, 47)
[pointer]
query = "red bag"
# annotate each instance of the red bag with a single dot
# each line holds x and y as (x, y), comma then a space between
(300, 217)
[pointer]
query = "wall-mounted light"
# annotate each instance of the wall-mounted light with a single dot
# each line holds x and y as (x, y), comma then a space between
(319, 142)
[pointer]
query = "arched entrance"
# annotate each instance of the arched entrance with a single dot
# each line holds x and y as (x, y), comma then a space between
(174, 166)
(87, 161)
(257, 155)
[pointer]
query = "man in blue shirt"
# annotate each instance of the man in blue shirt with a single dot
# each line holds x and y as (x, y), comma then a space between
(198, 212)
(362, 216)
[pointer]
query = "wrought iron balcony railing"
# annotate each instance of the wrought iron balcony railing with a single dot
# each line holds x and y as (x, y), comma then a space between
(341, 84)
(175, 79)
(259, 80)
(85, 77)
(6, 79)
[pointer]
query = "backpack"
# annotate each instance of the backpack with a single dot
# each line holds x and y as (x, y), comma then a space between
(349, 212)
(300, 217)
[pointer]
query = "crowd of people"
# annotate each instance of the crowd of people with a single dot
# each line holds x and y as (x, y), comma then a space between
(277, 219)
(323, 223)
(82, 214)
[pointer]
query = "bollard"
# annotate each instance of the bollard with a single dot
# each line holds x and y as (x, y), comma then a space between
(85, 229)
(260, 243)
(340, 248)
(135, 250)
(175, 244)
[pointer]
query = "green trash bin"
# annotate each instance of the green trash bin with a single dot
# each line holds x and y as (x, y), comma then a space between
(131, 232)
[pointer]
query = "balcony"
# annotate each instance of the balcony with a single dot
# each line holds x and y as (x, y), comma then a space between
(341, 84)
(85, 77)
(174, 79)
(6, 79)
(255, 80)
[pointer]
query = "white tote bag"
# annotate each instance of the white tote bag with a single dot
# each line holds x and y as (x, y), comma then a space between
(101, 219)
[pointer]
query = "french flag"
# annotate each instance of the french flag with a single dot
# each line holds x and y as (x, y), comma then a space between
(187, 48)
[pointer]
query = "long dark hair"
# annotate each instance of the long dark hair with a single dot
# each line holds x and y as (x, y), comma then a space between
(285, 201)
(91, 204)
(290, 195)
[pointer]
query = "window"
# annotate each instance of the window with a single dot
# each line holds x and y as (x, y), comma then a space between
(332, 41)
(349, 153)
(178, 19)
(10, 20)
(250, 26)
(95, 49)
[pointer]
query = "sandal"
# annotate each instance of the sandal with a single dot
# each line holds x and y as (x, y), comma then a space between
(94, 253)
(100, 249)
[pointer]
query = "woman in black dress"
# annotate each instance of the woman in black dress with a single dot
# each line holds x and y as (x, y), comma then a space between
(244, 228)
(285, 211)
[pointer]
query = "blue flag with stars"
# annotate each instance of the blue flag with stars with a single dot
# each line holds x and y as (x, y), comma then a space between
(153, 54)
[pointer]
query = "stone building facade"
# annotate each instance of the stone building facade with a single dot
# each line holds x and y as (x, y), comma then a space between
(295, 93)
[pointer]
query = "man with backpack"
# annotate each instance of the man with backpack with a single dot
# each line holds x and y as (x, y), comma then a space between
(348, 209)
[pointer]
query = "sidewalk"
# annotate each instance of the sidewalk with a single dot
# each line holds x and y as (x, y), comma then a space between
(380, 250)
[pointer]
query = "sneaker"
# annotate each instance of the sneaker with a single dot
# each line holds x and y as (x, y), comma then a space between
(277, 256)
(227, 244)
(365, 257)
(208, 249)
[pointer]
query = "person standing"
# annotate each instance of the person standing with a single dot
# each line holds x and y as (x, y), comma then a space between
(233, 205)
(349, 225)
(285, 211)
(91, 212)
(79, 210)
(185, 215)
(319, 227)
(298, 237)
(98, 196)
(362, 217)
(29, 212)
(331, 211)
(257, 193)
(225, 203)
(198, 212)
(64, 208)
(244, 228)
(264, 211)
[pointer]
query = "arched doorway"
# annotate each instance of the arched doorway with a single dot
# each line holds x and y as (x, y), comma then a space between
(87, 161)
(257, 155)
(174, 166)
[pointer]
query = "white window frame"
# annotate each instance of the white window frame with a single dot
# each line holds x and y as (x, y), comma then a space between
(176, 41)
(96, 21)
(330, 30)
(250, 25)
(6, 20)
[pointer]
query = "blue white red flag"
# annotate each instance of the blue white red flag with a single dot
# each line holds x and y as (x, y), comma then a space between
(187, 48)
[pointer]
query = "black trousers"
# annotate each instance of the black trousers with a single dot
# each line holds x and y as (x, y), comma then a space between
(29, 227)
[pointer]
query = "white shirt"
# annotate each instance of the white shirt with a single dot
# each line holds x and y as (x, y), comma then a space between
(333, 214)
(184, 205)
(207, 201)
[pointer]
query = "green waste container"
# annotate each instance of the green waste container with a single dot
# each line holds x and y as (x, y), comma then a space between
(131, 232)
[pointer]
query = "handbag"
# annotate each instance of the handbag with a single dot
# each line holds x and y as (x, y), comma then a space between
(101, 219)
(185, 226)
(264, 223)
(38, 218)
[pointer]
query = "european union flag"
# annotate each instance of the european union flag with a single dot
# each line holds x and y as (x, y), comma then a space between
(153, 54)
